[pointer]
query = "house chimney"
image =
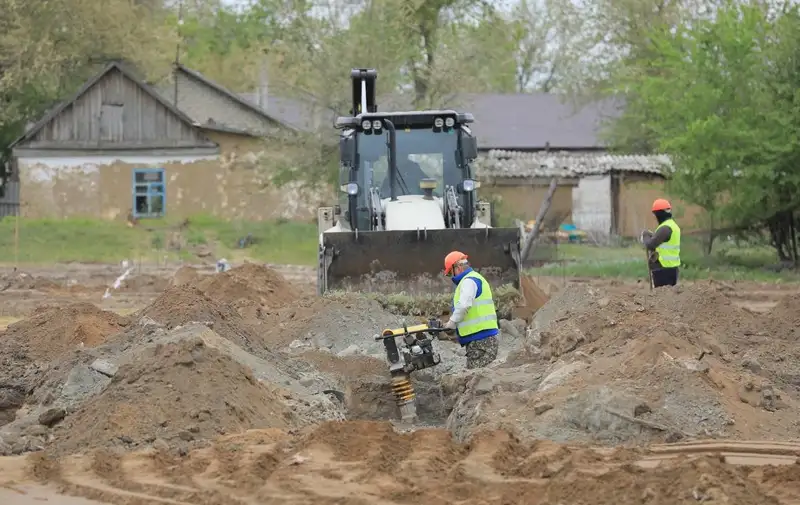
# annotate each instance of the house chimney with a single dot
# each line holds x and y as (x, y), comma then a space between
(263, 86)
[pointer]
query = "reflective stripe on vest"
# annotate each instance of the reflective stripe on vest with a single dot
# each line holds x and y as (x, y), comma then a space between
(669, 253)
(481, 315)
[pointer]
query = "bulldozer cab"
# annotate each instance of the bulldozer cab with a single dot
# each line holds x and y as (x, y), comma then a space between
(427, 153)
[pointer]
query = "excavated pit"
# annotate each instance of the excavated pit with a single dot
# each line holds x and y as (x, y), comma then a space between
(372, 400)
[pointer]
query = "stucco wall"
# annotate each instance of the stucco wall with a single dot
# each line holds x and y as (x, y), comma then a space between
(522, 200)
(234, 184)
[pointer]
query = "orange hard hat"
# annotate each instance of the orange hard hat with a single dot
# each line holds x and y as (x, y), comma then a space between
(661, 204)
(451, 259)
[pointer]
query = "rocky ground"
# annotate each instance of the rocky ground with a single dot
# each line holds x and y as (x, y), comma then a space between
(242, 387)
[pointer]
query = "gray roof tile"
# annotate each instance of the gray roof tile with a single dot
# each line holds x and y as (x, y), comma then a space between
(515, 164)
(532, 120)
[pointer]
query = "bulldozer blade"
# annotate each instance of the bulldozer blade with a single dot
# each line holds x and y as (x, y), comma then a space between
(413, 261)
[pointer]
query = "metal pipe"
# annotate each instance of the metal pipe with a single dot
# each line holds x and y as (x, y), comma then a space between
(364, 95)
(392, 144)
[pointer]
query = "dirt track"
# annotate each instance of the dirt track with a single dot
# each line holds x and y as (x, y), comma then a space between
(370, 463)
(215, 391)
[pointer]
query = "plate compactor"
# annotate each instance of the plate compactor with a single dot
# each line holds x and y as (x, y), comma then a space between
(408, 349)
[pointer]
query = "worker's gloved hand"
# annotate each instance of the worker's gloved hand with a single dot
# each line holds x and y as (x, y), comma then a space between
(450, 327)
(646, 235)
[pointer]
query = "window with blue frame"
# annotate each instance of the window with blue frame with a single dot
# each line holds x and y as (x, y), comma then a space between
(149, 192)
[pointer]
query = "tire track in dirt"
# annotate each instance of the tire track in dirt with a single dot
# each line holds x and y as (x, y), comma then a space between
(363, 462)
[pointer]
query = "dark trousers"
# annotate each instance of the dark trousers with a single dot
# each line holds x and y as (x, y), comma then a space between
(665, 277)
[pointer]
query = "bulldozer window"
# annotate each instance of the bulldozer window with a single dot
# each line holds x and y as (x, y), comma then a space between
(421, 154)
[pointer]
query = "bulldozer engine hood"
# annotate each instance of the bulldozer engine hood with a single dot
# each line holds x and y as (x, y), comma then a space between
(413, 212)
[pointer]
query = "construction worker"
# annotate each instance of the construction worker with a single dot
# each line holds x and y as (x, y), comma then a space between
(663, 246)
(473, 317)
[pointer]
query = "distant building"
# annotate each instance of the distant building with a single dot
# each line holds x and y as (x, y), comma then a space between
(527, 139)
(120, 146)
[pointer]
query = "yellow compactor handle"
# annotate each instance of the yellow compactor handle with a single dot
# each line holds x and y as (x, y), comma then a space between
(402, 331)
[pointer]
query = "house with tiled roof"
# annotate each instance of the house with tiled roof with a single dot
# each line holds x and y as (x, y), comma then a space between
(525, 140)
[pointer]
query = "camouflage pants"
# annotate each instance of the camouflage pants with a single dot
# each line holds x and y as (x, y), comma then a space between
(481, 352)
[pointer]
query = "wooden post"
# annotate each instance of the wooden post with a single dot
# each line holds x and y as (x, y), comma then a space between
(537, 226)
(16, 241)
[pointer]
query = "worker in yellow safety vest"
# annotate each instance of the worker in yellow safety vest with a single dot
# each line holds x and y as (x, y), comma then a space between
(663, 246)
(473, 316)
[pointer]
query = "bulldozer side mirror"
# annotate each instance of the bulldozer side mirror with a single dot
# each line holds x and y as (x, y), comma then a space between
(469, 148)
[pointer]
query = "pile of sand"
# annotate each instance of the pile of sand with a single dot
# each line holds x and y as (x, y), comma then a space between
(184, 275)
(783, 321)
(178, 392)
(334, 325)
(699, 314)
(243, 286)
(144, 283)
(363, 462)
(25, 281)
(180, 305)
(632, 366)
(51, 331)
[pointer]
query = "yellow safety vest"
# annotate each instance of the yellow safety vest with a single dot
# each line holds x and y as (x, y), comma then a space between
(669, 253)
(482, 315)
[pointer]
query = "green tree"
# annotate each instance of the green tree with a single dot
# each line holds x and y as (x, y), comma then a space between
(716, 95)
(47, 49)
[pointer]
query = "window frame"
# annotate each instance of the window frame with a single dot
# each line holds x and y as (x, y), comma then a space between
(149, 193)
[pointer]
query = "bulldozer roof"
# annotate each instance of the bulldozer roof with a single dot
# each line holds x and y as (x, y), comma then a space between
(406, 119)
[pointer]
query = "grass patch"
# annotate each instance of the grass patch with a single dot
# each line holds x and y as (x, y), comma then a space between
(728, 261)
(46, 241)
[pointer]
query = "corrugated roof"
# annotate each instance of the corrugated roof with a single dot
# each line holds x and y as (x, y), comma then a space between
(516, 164)
(520, 121)
(534, 120)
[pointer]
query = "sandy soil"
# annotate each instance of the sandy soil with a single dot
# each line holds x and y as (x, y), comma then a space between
(217, 390)
(371, 463)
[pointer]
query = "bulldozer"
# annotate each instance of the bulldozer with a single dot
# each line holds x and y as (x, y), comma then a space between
(407, 196)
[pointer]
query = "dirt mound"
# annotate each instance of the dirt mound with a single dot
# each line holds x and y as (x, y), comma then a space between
(783, 321)
(51, 331)
(180, 305)
(335, 325)
(700, 314)
(363, 462)
(636, 366)
(350, 367)
(24, 281)
(184, 275)
(144, 283)
(249, 283)
(181, 393)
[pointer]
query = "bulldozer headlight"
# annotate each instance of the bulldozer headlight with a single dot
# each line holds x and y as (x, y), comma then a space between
(350, 188)
(366, 124)
(377, 125)
(438, 122)
(469, 185)
(449, 122)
